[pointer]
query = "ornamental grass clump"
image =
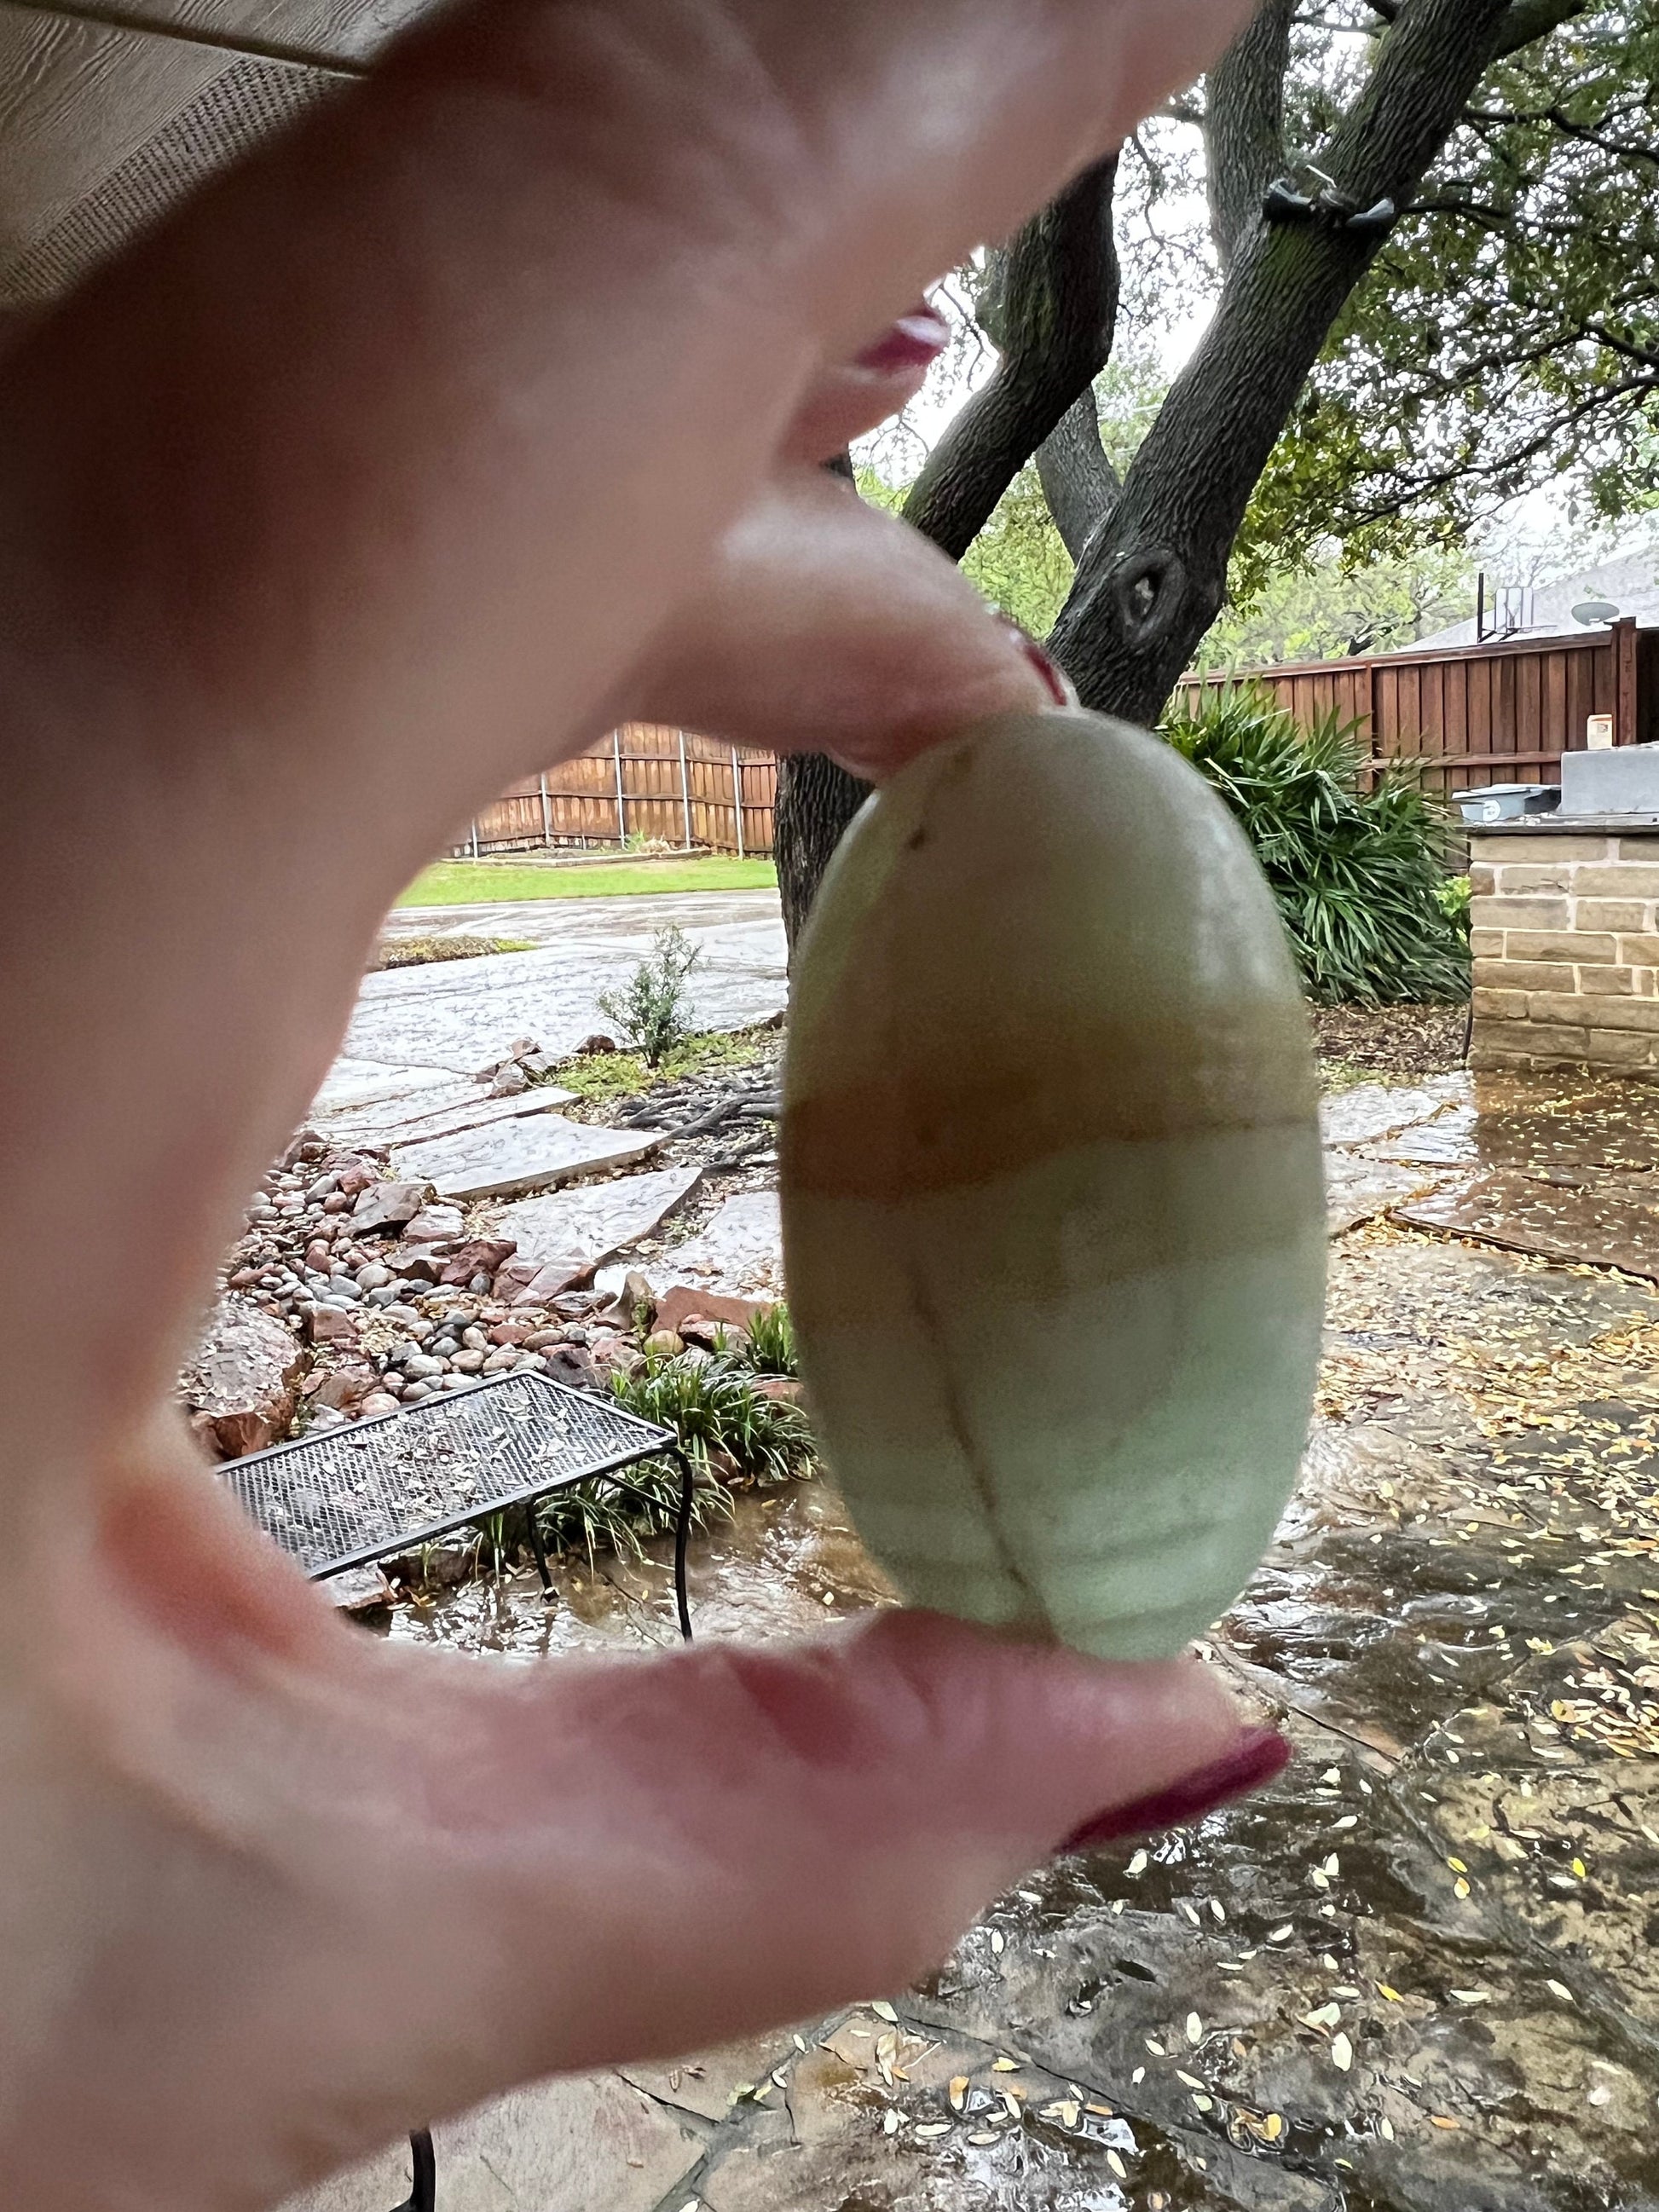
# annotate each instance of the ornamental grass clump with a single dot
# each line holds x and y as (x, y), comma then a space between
(723, 1420)
(1359, 873)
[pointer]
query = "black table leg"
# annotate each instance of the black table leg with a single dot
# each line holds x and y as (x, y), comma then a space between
(540, 1549)
(423, 2196)
(682, 1538)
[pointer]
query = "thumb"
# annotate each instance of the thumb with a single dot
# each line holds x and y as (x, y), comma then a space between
(828, 626)
(365, 1885)
(637, 1858)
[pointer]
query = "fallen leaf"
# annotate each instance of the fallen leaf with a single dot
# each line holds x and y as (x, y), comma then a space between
(883, 2011)
(1341, 2052)
(958, 2091)
(1194, 2028)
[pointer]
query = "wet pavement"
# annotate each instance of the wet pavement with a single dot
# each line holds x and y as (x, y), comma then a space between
(464, 1014)
(1419, 1972)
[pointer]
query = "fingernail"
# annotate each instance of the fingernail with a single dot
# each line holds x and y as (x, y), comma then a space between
(1061, 688)
(914, 340)
(1258, 1754)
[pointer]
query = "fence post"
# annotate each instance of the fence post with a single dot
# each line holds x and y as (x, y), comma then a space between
(621, 803)
(1624, 681)
(474, 826)
(547, 814)
(685, 791)
(737, 798)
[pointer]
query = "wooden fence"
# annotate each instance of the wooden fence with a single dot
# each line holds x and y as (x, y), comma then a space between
(664, 787)
(1498, 712)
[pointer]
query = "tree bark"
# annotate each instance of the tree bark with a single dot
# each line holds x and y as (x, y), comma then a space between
(1244, 124)
(816, 800)
(1154, 574)
(1079, 484)
(1051, 306)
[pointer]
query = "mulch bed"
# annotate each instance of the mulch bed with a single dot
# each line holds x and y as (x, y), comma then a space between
(1403, 1041)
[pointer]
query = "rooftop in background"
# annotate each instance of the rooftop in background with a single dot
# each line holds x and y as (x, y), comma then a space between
(1630, 582)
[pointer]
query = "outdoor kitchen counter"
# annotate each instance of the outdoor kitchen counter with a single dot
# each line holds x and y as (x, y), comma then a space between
(1566, 942)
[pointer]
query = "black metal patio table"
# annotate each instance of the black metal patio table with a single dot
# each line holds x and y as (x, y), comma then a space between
(365, 1490)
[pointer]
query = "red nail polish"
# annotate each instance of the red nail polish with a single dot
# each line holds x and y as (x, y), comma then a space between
(914, 340)
(1058, 683)
(1258, 1756)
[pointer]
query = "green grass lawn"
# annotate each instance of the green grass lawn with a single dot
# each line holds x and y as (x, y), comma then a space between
(468, 882)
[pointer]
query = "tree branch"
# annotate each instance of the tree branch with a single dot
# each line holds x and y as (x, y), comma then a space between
(1525, 21)
(1051, 306)
(1079, 484)
(1244, 123)
(1153, 576)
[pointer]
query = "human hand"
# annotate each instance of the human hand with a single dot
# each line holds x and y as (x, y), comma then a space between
(477, 414)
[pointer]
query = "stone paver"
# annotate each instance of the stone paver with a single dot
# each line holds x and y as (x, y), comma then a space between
(591, 2144)
(354, 1084)
(739, 1249)
(1371, 1110)
(592, 1223)
(1358, 1187)
(531, 1153)
(463, 1015)
(438, 1114)
(1612, 1221)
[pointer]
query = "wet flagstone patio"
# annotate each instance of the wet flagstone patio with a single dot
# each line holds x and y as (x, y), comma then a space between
(1419, 1971)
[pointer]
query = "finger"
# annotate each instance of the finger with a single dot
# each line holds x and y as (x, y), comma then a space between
(408, 460)
(461, 1876)
(847, 401)
(831, 627)
(371, 473)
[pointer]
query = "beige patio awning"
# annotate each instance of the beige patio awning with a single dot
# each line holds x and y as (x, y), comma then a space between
(109, 113)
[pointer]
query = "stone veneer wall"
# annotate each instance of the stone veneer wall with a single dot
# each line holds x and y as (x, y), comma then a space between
(1566, 942)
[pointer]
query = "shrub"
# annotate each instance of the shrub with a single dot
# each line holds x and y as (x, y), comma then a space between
(650, 1009)
(717, 1412)
(1357, 873)
(598, 1515)
(767, 1346)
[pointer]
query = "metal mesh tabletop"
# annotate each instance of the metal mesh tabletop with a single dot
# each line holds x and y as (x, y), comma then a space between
(356, 1492)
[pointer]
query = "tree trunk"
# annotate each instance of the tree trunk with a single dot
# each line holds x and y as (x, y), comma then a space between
(1079, 482)
(816, 800)
(1053, 310)
(1051, 306)
(1154, 575)
(1244, 124)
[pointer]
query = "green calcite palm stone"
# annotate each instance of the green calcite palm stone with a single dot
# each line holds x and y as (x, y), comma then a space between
(1053, 1225)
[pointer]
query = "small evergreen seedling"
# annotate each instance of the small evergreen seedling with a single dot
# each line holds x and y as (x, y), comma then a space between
(651, 1009)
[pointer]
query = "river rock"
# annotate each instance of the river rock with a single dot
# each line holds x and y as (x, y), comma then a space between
(388, 1205)
(243, 1385)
